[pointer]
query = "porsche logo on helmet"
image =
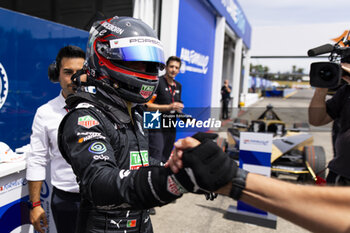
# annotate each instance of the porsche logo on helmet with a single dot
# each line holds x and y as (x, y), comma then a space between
(146, 91)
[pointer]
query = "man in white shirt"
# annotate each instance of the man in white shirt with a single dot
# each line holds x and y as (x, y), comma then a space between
(44, 150)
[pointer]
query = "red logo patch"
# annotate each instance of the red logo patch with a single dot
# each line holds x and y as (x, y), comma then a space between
(172, 187)
(87, 121)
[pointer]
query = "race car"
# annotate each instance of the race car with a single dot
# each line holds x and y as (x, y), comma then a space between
(293, 152)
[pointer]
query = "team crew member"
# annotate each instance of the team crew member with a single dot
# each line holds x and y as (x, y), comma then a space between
(168, 101)
(225, 98)
(337, 108)
(102, 135)
(65, 197)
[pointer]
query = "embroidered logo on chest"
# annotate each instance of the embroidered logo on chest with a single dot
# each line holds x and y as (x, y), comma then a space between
(87, 121)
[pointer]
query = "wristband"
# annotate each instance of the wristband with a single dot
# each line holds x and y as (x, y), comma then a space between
(34, 204)
(238, 184)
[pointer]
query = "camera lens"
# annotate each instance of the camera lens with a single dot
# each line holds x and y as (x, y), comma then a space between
(326, 73)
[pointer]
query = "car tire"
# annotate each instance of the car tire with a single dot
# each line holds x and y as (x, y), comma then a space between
(316, 157)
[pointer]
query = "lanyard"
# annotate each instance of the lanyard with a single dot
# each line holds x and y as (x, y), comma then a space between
(172, 92)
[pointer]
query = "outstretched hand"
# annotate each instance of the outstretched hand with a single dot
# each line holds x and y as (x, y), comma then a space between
(175, 162)
(208, 167)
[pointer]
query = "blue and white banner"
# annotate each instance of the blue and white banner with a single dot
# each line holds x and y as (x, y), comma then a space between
(255, 156)
(235, 17)
(14, 208)
(195, 47)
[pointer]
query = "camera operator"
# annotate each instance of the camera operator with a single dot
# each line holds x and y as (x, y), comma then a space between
(337, 108)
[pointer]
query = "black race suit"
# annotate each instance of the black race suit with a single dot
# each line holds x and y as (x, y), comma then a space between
(338, 107)
(225, 98)
(108, 152)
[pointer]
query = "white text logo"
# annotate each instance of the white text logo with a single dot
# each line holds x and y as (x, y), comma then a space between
(193, 61)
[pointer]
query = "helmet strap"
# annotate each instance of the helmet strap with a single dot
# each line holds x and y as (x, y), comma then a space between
(76, 78)
(129, 105)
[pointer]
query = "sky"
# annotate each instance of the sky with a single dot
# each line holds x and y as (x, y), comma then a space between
(292, 27)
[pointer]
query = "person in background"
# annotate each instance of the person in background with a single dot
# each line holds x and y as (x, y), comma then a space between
(335, 109)
(225, 98)
(44, 150)
(167, 101)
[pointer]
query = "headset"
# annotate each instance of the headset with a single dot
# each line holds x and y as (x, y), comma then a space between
(53, 72)
(69, 51)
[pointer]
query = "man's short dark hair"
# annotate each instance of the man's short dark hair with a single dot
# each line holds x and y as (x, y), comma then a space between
(173, 58)
(69, 51)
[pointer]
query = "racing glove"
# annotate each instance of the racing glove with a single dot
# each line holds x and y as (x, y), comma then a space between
(200, 136)
(209, 168)
(185, 181)
(206, 169)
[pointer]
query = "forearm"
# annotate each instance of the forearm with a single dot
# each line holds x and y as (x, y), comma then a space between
(314, 208)
(318, 209)
(317, 109)
(141, 189)
(34, 190)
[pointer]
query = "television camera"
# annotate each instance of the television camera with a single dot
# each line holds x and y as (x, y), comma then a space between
(328, 74)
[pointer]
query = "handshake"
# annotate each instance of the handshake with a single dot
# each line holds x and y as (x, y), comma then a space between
(199, 166)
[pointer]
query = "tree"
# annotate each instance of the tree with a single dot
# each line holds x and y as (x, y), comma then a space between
(263, 72)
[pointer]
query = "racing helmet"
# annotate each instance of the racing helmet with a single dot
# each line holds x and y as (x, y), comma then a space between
(115, 43)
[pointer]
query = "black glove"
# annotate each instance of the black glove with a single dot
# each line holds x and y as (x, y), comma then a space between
(200, 136)
(210, 169)
(210, 166)
(185, 181)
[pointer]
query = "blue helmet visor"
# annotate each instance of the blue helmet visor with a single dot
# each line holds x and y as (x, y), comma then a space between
(146, 49)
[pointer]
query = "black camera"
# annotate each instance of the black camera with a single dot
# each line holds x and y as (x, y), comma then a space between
(328, 74)
(325, 74)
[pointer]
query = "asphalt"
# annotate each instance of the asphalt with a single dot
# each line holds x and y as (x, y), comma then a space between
(194, 214)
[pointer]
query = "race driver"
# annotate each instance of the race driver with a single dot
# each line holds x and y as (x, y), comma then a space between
(102, 135)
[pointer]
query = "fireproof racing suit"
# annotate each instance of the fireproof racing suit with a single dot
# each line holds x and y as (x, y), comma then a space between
(108, 151)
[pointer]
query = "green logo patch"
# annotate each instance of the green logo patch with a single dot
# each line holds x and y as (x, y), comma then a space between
(146, 91)
(138, 159)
